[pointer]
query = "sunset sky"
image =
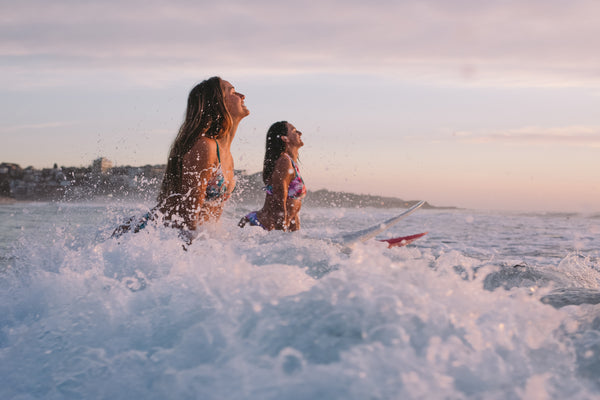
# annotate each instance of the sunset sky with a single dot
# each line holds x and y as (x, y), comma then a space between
(478, 104)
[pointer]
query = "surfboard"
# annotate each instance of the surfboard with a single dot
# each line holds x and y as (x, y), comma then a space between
(402, 240)
(363, 235)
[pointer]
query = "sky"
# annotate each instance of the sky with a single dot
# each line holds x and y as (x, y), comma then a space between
(490, 105)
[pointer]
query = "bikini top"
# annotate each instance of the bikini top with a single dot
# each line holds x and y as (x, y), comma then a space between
(216, 189)
(296, 188)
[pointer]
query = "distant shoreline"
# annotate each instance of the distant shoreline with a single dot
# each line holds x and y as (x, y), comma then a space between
(102, 181)
(7, 200)
(320, 198)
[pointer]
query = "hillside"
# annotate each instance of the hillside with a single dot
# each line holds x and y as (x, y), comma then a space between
(142, 183)
(249, 190)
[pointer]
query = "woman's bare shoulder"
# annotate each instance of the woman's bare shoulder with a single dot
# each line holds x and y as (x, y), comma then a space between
(284, 164)
(202, 153)
(205, 144)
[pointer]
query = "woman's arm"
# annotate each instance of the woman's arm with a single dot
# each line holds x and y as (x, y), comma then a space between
(199, 166)
(280, 181)
(295, 223)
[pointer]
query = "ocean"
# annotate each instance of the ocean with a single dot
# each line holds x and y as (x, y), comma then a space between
(488, 305)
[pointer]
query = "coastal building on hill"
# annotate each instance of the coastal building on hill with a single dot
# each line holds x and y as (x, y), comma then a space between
(78, 183)
(101, 165)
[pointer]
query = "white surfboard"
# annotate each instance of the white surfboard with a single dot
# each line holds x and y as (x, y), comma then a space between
(363, 235)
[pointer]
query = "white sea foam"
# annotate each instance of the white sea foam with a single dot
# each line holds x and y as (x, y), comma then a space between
(246, 314)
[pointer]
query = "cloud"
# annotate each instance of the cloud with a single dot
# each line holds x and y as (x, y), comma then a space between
(588, 136)
(501, 42)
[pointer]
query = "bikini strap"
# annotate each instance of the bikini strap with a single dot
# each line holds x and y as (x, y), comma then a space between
(218, 154)
(293, 164)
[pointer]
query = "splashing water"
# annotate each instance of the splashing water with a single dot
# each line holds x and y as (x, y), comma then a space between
(485, 306)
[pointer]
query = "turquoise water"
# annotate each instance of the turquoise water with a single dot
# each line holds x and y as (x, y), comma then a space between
(246, 314)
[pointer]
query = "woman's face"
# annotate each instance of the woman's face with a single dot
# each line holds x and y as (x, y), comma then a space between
(234, 101)
(294, 136)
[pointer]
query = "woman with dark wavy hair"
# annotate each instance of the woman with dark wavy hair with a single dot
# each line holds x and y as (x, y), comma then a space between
(284, 188)
(199, 177)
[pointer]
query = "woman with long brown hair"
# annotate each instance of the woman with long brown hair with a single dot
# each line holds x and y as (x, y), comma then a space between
(199, 177)
(285, 187)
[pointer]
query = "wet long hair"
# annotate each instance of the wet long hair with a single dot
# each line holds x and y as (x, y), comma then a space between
(206, 115)
(274, 148)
